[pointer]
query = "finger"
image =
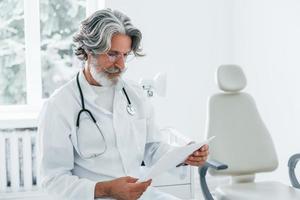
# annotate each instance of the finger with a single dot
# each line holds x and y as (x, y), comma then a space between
(204, 147)
(130, 179)
(139, 187)
(145, 185)
(200, 153)
(137, 195)
(148, 182)
(193, 157)
(195, 163)
(197, 159)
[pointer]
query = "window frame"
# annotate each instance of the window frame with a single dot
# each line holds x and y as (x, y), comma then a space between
(30, 110)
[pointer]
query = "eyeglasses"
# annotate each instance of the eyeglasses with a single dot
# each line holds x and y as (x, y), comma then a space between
(114, 56)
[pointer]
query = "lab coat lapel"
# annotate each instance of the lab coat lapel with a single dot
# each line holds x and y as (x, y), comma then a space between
(122, 127)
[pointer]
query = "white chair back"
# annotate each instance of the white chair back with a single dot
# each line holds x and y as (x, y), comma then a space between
(242, 139)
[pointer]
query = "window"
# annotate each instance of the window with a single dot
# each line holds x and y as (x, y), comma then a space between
(59, 20)
(36, 54)
(12, 53)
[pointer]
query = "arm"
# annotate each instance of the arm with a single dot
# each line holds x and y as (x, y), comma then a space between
(156, 147)
(57, 158)
(156, 141)
(58, 161)
(102, 189)
(157, 144)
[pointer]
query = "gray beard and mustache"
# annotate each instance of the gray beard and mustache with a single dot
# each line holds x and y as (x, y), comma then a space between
(102, 77)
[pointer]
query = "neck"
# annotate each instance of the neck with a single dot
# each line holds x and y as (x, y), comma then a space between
(88, 75)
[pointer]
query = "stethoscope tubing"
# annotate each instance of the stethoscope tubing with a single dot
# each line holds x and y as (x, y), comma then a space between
(130, 110)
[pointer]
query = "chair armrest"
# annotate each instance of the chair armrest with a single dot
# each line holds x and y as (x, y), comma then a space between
(202, 173)
(292, 164)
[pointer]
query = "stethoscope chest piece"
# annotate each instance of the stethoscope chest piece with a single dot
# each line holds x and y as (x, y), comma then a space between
(131, 109)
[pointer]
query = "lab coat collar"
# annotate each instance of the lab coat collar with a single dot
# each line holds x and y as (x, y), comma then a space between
(91, 96)
(119, 85)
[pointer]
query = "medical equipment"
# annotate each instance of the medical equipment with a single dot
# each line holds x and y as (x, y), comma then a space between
(130, 109)
(243, 143)
(157, 84)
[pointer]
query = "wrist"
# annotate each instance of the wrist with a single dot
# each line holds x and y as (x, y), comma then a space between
(103, 189)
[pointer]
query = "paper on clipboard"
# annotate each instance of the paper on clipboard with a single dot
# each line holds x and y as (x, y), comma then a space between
(172, 158)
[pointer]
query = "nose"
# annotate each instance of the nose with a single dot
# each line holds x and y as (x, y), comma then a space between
(120, 62)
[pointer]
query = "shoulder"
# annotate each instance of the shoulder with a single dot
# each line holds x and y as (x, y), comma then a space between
(64, 94)
(62, 102)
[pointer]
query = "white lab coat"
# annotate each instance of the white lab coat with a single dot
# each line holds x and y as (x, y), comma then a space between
(129, 139)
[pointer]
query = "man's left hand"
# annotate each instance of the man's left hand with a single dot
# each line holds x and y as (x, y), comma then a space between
(199, 157)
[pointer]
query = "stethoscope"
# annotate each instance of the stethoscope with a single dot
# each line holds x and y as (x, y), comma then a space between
(130, 109)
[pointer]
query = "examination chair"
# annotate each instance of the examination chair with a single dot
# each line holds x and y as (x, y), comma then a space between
(243, 143)
(292, 165)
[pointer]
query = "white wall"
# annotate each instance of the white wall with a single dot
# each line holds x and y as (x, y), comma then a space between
(267, 45)
(190, 39)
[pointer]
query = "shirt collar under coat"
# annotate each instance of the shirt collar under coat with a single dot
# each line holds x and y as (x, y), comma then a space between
(89, 94)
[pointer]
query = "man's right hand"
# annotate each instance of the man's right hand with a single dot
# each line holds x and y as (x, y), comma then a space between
(126, 188)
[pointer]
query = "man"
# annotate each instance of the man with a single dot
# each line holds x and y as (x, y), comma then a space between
(97, 129)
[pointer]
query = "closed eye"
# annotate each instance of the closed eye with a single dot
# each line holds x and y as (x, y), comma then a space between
(116, 53)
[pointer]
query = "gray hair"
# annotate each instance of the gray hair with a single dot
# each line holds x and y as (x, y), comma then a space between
(96, 32)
